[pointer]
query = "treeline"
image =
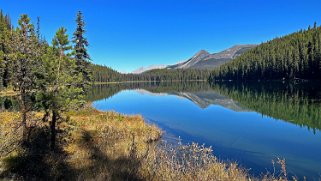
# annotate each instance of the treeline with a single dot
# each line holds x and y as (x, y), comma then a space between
(171, 75)
(48, 78)
(105, 74)
(296, 56)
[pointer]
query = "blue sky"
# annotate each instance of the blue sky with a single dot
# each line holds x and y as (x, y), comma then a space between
(128, 34)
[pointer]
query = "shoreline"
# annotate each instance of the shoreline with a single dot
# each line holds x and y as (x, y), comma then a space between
(124, 82)
(103, 145)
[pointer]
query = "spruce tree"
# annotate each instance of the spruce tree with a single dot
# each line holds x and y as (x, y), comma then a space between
(80, 52)
(38, 29)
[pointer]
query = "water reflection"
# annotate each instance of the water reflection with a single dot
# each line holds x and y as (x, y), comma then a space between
(298, 103)
(251, 123)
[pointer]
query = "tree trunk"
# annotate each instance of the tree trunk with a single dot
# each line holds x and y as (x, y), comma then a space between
(24, 125)
(54, 110)
(53, 129)
(46, 116)
(24, 116)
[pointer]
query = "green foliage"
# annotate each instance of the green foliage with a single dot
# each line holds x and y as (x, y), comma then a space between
(80, 52)
(9, 103)
(60, 92)
(61, 41)
(5, 51)
(26, 56)
(296, 56)
(26, 66)
(59, 82)
(46, 77)
(172, 75)
(105, 74)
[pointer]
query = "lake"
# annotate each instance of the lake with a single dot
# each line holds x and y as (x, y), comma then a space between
(250, 123)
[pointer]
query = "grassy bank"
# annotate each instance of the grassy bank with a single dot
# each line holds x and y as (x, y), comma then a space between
(96, 145)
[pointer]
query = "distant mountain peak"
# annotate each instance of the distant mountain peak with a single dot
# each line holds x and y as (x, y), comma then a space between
(151, 67)
(204, 60)
(201, 53)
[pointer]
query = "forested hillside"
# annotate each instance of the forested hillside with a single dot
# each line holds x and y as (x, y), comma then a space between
(296, 56)
(171, 75)
(103, 73)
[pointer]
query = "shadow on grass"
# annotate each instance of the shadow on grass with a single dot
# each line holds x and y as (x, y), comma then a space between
(103, 167)
(35, 161)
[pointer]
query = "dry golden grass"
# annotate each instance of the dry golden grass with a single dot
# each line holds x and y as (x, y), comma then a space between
(103, 143)
(8, 92)
(9, 132)
(109, 146)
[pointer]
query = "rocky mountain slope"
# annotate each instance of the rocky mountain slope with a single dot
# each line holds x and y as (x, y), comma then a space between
(205, 60)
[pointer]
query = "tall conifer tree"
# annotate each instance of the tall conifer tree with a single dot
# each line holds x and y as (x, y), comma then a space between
(80, 51)
(26, 65)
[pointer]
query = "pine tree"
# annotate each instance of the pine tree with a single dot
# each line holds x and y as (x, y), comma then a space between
(26, 65)
(60, 92)
(45, 76)
(80, 52)
(60, 44)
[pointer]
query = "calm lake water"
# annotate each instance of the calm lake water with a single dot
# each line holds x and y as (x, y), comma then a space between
(252, 123)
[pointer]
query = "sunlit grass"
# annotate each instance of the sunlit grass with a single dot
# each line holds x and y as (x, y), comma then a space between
(8, 92)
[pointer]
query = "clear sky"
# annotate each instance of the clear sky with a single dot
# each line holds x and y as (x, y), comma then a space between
(127, 34)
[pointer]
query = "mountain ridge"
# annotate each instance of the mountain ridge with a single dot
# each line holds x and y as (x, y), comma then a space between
(203, 59)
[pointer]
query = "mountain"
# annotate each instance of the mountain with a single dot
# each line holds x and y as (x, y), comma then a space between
(144, 69)
(199, 56)
(205, 60)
